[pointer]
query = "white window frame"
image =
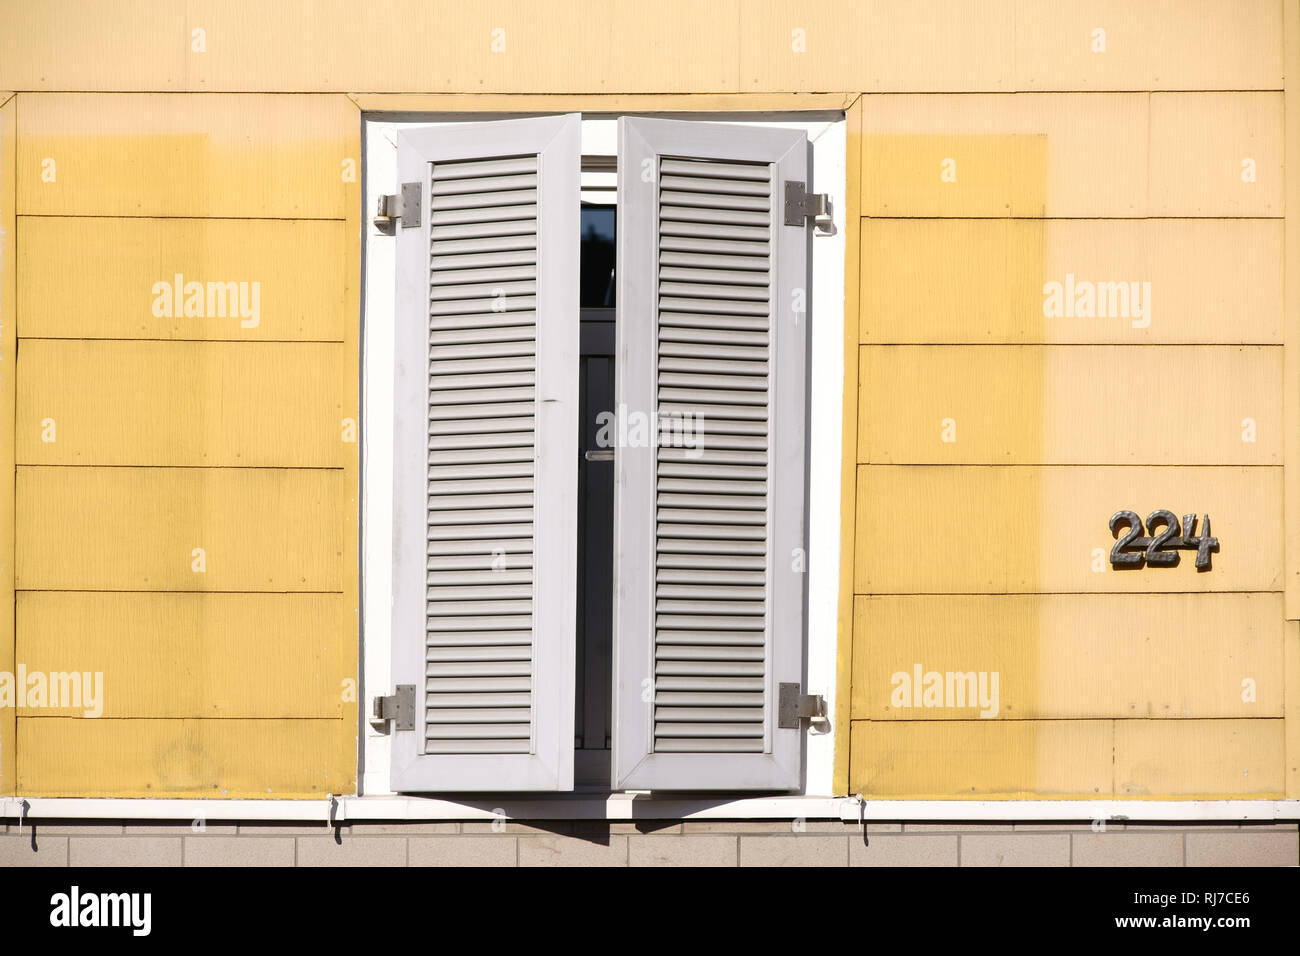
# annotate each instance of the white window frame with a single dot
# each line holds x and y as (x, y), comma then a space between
(826, 133)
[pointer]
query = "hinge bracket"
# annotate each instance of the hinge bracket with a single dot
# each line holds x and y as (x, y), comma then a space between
(803, 207)
(794, 706)
(399, 708)
(394, 206)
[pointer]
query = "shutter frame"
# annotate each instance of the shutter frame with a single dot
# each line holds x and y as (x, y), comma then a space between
(636, 764)
(555, 141)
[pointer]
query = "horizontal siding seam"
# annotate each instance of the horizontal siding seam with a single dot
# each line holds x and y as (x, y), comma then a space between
(91, 215)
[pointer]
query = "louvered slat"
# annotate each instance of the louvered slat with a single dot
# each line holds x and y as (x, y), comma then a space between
(481, 453)
(711, 503)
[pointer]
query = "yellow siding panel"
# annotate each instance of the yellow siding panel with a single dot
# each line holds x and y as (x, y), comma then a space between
(954, 174)
(189, 155)
(576, 45)
(1074, 655)
(1025, 759)
(1184, 758)
(937, 45)
(981, 280)
(915, 398)
(1200, 145)
(951, 280)
(401, 45)
(179, 403)
(8, 350)
(981, 759)
(1106, 155)
(1292, 681)
(1291, 505)
(874, 45)
(72, 757)
(1152, 45)
(189, 655)
(789, 45)
(589, 46)
(72, 45)
(1094, 149)
(83, 277)
(288, 660)
(136, 529)
(292, 45)
(954, 529)
(346, 751)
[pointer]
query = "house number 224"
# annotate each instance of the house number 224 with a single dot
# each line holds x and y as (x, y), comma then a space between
(1138, 545)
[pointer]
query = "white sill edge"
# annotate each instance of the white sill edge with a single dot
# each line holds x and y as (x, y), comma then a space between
(626, 807)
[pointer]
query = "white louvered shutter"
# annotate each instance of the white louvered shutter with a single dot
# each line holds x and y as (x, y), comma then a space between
(485, 489)
(709, 608)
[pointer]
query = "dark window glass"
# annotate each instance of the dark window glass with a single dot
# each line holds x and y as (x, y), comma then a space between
(597, 264)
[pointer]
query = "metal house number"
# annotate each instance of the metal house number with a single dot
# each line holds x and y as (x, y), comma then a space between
(1135, 548)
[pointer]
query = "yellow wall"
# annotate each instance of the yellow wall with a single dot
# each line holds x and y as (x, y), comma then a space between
(171, 433)
(977, 553)
(670, 46)
(174, 434)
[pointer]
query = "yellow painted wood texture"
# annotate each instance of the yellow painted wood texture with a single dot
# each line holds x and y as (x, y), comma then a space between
(1291, 678)
(94, 278)
(996, 434)
(593, 46)
(8, 382)
(345, 748)
(1073, 155)
(1291, 390)
(287, 758)
(1108, 404)
(1056, 759)
(981, 281)
(1215, 45)
(186, 498)
(164, 181)
(1028, 529)
(1071, 656)
(250, 156)
(136, 529)
(110, 402)
(189, 654)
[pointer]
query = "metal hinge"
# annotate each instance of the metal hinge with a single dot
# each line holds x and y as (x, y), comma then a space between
(793, 706)
(393, 207)
(399, 708)
(802, 207)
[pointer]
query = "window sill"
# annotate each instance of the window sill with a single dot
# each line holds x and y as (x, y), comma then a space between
(633, 807)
